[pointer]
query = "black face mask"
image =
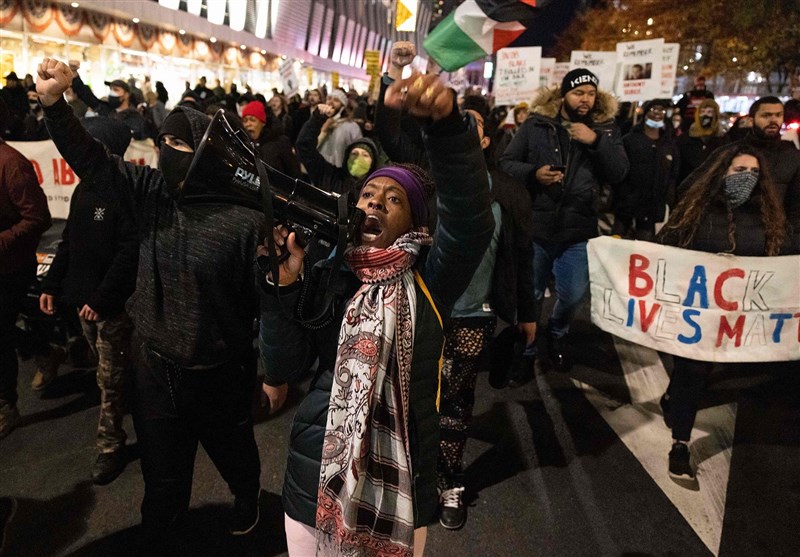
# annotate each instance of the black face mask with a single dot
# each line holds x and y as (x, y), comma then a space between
(705, 121)
(114, 102)
(174, 165)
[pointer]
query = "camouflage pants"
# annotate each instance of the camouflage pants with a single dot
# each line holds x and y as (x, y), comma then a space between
(110, 340)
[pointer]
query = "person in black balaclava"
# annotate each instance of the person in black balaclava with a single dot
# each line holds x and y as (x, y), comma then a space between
(195, 368)
(704, 136)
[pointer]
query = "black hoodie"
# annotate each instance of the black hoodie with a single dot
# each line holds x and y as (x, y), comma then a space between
(195, 298)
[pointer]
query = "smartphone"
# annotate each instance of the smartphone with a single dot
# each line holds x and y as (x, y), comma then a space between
(557, 168)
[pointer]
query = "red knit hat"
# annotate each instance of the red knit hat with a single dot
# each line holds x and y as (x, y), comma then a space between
(255, 109)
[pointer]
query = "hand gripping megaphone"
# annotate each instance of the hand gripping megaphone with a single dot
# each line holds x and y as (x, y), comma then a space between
(224, 170)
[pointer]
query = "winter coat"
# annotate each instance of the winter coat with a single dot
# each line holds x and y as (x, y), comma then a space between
(566, 213)
(132, 117)
(184, 307)
(342, 132)
(288, 350)
(101, 274)
(652, 176)
(512, 282)
(399, 134)
(700, 142)
(275, 149)
(24, 215)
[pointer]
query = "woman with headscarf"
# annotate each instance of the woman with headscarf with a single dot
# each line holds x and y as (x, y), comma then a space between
(361, 474)
(731, 207)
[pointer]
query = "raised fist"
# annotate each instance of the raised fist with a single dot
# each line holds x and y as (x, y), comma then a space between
(402, 53)
(423, 96)
(55, 77)
(326, 110)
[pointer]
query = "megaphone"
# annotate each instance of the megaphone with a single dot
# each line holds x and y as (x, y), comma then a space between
(224, 170)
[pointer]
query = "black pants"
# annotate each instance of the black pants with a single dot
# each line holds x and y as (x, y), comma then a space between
(688, 383)
(174, 409)
(13, 287)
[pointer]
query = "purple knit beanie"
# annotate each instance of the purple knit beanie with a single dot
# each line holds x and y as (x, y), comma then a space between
(414, 188)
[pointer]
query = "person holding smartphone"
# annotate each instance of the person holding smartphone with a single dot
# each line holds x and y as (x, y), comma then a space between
(563, 153)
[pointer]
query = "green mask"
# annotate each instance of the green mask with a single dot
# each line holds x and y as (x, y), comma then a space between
(358, 167)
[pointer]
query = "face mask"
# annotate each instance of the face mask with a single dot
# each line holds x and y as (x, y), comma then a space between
(174, 165)
(114, 102)
(739, 187)
(358, 167)
(33, 105)
(705, 121)
(657, 124)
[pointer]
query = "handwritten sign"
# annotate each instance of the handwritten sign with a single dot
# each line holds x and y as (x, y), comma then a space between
(669, 68)
(56, 177)
(289, 77)
(546, 68)
(602, 64)
(639, 78)
(715, 308)
(516, 77)
(560, 69)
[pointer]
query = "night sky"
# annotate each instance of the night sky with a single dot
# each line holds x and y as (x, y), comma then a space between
(553, 19)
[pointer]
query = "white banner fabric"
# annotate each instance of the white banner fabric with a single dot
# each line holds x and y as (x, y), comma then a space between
(709, 307)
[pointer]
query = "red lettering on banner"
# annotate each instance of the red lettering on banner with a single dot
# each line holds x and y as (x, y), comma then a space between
(56, 178)
(38, 170)
(67, 175)
(731, 332)
(725, 275)
(645, 318)
(139, 161)
(636, 267)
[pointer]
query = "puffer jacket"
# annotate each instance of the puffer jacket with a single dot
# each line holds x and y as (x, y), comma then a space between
(288, 350)
(565, 213)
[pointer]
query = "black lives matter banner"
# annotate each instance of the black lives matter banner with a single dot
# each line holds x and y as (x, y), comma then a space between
(715, 308)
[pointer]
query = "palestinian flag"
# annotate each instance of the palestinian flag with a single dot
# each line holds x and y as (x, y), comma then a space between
(477, 28)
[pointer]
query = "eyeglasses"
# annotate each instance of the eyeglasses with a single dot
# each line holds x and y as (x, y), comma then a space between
(656, 110)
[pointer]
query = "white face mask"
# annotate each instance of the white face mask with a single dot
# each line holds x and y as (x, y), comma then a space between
(657, 124)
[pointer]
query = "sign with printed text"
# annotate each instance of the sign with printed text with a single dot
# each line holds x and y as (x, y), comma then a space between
(560, 69)
(372, 58)
(335, 80)
(669, 68)
(715, 308)
(56, 177)
(546, 67)
(639, 76)
(602, 64)
(516, 77)
(289, 77)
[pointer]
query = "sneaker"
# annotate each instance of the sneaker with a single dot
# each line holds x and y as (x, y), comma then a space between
(109, 466)
(666, 410)
(8, 507)
(9, 419)
(680, 466)
(452, 511)
(244, 516)
(557, 352)
(47, 368)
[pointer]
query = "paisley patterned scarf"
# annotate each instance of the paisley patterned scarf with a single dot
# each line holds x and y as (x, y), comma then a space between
(364, 504)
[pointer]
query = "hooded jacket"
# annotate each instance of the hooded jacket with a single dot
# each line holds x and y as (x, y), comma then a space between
(323, 174)
(276, 150)
(700, 142)
(183, 307)
(565, 213)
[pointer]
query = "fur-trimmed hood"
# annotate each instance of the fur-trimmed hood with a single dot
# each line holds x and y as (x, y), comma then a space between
(547, 103)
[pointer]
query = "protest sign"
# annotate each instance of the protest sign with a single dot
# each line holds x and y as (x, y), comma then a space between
(516, 77)
(546, 67)
(669, 68)
(335, 80)
(639, 78)
(56, 177)
(560, 69)
(291, 82)
(716, 308)
(602, 64)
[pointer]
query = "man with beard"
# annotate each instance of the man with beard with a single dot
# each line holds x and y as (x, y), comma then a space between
(783, 159)
(300, 116)
(705, 135)
(563, 154)
(195, 369)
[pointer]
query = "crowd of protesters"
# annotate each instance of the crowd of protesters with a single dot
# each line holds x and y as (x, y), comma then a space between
(472, 213)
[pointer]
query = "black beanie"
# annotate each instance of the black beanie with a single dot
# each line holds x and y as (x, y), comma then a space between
(576, 78)
(176, 123)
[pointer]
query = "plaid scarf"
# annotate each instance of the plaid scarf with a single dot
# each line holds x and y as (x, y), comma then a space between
(364, 504)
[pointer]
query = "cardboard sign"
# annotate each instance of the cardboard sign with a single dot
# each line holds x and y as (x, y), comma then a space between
(669, 68)
(373, 61)
(516, 77)
(715, 308)
(56, 177)
(289, 77)
(639, 76)
(546, 67)
(560, 69)
(334, 80)
(602, 64)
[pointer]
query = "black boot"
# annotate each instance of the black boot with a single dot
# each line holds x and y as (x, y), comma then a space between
(109, 466)
(558, 353)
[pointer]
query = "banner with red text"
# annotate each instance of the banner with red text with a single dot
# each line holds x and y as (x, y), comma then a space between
(715, 308)
(516, 76)
(56, 177)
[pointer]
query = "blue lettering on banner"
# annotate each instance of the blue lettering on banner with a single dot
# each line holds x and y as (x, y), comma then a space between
(780, 317)
(697, 285)
(698, 332)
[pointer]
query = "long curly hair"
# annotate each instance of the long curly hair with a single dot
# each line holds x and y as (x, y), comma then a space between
(708, 190)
